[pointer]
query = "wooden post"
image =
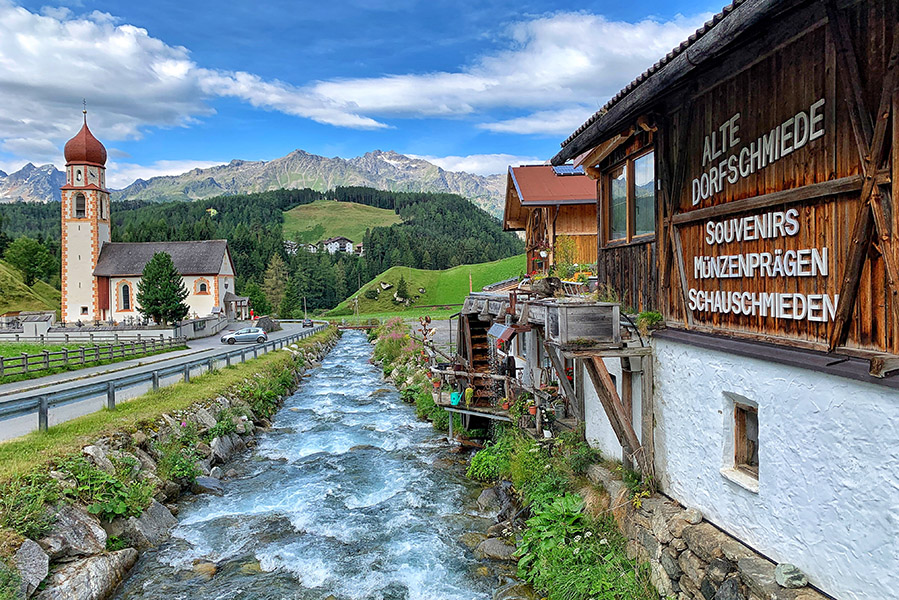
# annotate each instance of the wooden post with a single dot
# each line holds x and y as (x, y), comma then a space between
(110, 395)
(81, 349)
(43, 413)
(647, 410)
(559, 367)
(210, 365)
(65, 356)
(2, 367)
(25, 361)
(627, 401)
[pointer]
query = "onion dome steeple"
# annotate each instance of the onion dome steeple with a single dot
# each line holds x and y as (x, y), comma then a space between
(84, 148)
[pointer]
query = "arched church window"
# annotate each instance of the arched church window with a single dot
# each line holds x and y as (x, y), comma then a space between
(203, 289)
(80, 206)
(126, 297)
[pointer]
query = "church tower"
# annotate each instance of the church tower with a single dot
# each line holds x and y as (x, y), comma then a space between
(85, 227)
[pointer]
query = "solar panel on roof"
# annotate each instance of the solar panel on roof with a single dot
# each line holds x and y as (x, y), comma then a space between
(568, 170)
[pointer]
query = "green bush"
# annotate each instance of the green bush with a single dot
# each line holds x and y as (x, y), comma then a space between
(492, 462)
(371, 294)
(177, 461)
(23, 501)
(107, 495)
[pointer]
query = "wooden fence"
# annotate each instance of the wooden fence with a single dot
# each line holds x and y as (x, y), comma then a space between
(30, 363)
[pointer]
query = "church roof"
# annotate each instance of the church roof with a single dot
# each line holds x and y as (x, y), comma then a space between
(119, 259)
(84, 148)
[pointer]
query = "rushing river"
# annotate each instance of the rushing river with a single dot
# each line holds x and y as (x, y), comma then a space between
(348, 495)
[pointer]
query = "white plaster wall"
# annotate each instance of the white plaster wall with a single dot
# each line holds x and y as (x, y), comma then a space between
(201, 304)
(828, 490)
(79, 271)
(599, 432)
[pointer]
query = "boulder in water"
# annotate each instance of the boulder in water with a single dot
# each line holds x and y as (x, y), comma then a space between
(207, 485)
(472, 539)
(92, 577)
(495, 548)
(205, 569)
(515, 590)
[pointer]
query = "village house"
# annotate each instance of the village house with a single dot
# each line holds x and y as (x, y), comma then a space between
(745, 189)
(333, 245)
(100, 278)
(549, 202)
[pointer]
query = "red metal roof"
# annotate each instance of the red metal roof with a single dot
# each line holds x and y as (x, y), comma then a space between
(539, 185)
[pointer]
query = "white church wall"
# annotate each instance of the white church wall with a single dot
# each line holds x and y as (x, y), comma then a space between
(200, 304)
(78, 272)
(827, 497)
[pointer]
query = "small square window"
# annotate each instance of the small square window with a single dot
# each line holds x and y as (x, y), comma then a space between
(83, 310)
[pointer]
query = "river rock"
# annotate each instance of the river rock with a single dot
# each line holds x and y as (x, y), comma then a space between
(146, 461)
(729, 590)
(495, 549)
(222, 448)
(204, 418)
(488, 500)
(216, 472)
(472, 539)
(205, 569)
(139, 438)
(789, 576)
(74, 533)
(499, 529)
(151, 528)
(97, 456)
(33, 565)
(207, 485)
(89, 578)
(515, 591)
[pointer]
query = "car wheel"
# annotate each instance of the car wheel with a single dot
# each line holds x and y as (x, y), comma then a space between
(260, 339)
(230, 340)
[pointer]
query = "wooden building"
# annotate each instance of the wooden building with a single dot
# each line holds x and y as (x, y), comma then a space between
(745, 190)
(746, 185)
(549, 202)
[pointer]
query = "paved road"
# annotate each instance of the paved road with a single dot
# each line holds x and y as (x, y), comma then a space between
(198, 350)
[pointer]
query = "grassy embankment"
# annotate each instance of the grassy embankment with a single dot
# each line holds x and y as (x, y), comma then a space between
(15, 350)
(16, 296)
(311, 223)
(449, 286)
(20, 455)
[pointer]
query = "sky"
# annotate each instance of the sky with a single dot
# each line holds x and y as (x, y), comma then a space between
(173, 85)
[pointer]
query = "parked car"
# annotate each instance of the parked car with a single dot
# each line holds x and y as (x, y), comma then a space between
(248, 334)
(308, 323)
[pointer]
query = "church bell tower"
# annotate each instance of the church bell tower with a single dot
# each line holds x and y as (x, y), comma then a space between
(85, 227)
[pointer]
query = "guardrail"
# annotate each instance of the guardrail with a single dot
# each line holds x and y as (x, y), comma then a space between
(42, 403)
(33, 363)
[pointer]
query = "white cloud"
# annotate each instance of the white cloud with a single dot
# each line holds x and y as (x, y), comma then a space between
(121, 175)
(564, 64)
(549, 74)
(479, 164)
(544, 122)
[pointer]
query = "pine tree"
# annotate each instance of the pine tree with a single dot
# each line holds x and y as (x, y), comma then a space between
(258, 301)
(402, 293)
(274, 281)
(161, 291)
(30, 257)
(291, 303)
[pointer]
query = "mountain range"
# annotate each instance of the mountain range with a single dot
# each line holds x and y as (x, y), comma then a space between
(381, 170)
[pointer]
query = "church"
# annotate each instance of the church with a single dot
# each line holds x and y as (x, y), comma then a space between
(99, 277)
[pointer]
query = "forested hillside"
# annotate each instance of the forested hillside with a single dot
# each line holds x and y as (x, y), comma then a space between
(437, 231)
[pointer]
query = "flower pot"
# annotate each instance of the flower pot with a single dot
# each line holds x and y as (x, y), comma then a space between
(532, 410)
(506, 405)
(436, 383)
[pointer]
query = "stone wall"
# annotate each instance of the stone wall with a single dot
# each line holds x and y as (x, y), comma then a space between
(71, 560)
(689, 558)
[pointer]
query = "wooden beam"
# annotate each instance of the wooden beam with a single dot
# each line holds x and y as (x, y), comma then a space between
(814, 191)
(611, 403)
(559, 367)
(681, 272)
(627, 401)
(647, 411)
(625, 352)
(884, 365)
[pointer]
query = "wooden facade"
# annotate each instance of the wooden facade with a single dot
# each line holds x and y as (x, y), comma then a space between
(773, 135)
(547, 206)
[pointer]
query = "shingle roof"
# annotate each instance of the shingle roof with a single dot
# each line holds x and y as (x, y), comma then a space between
(190, 258)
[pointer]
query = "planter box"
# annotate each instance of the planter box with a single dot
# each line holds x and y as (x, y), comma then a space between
(583, 324)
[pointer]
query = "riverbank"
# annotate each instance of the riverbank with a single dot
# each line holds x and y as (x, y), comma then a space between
(86, 496)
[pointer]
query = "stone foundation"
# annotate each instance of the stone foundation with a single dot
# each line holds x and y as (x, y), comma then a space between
(689, 558)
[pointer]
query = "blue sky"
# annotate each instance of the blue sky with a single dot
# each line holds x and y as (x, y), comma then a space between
(172, 85)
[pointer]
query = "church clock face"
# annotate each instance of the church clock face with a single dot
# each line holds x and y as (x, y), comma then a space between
(91, 174)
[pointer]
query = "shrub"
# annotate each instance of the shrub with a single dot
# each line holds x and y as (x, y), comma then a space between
(9, 582)
(371, 294)
(107, 495)
(177, 461)
(492, 462)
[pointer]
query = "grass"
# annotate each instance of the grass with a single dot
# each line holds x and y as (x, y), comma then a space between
(322, 219)
(14, 350)
(449, 286)
(16, 296)
(21, 455)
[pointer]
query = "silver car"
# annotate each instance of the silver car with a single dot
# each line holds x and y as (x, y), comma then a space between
(248, 334)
